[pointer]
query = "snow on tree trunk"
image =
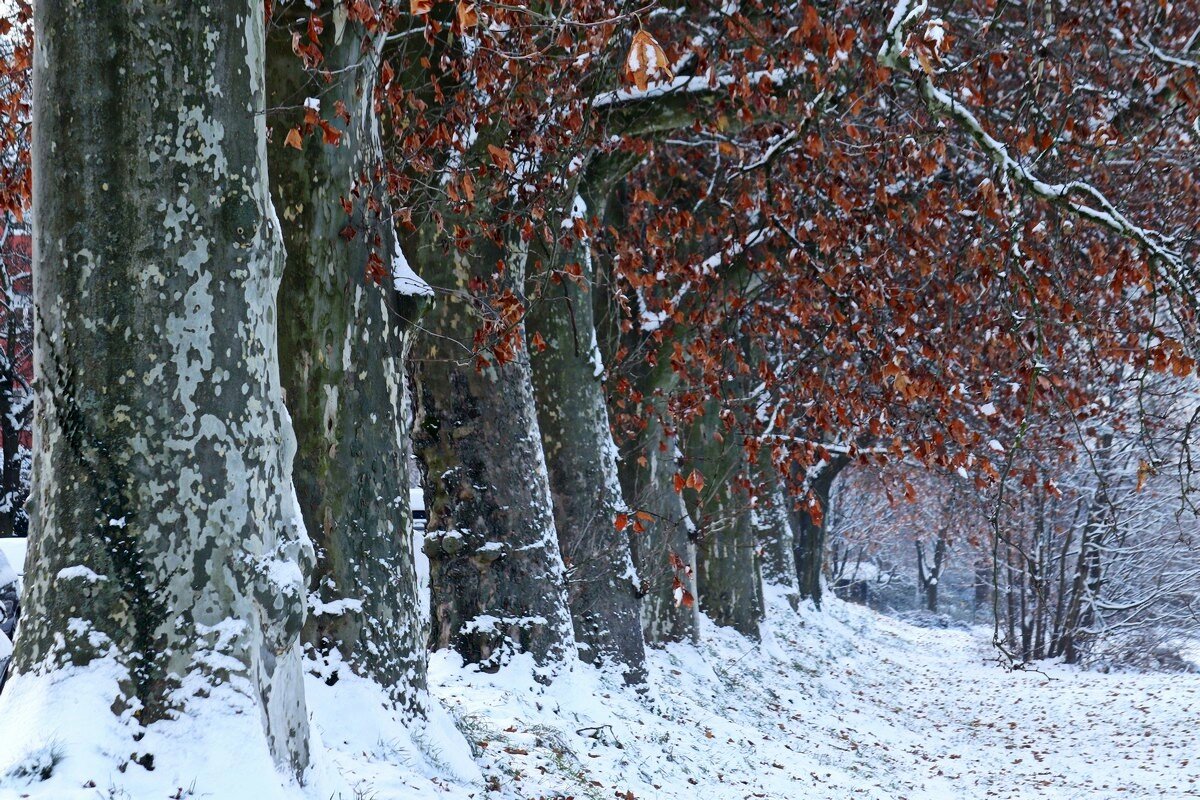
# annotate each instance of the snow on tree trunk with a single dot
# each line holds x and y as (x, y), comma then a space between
(165, 577)
(775, 535)
(343, 338)
(602, 586)
(666, 544)
(727, 563)
(496, 573)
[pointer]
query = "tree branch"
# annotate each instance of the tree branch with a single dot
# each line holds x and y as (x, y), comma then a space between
(1079, 198)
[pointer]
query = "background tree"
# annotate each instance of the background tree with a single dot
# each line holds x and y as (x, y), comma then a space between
(16, 319)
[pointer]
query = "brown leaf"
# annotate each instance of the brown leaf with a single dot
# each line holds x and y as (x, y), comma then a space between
(329, 134)
(646, 62)
(501, 158)
(293, 139)
(468, 16)
(375, 269)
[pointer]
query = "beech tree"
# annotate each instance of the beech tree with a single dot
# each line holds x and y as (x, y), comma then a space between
(592, 517)
(16, 373)
(348, 304)
(167, 553)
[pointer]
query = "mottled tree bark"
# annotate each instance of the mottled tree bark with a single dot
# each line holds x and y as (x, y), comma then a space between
(668, 541)
(166, 544)
(728, 573)
(496, 572)
(343, 338)
(775, 536)
(602, 586)
(810, 533)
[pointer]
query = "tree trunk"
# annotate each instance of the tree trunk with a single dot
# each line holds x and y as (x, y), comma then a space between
(728, 566)
(665, 552)
(14, 406)
(602, 586)
(1088, 577)
(496, 573)
(810, 535)
(343, 338)
(929, 575)
(167, 553)
(983, 586)
(775, 535)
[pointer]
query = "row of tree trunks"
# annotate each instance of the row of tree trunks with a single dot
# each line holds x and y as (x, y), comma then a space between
(343, 337)
(165, 500)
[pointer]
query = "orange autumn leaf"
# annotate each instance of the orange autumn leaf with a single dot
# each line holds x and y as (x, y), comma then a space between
(645, 62)
(501, 158)
(467, 15)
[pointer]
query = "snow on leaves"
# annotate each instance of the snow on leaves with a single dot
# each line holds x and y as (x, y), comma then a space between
(646, 63)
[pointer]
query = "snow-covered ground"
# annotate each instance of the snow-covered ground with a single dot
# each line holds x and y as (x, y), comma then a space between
(830, 706)
(841, 704)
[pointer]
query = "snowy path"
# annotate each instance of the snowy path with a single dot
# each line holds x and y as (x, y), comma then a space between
(835, 706)
(981, 732)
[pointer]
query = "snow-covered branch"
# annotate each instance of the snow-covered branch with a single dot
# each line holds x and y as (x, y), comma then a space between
(1077, 197)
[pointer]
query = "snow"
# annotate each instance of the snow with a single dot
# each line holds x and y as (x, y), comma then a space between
(829, 705)
(8, 574)
(686, 84)
(13, 551)
(317, 607)
(221, 752)
(79, 572)
(406, 281)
